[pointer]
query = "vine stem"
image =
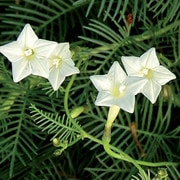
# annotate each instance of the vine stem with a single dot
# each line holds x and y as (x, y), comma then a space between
(112, 114)
(123, 156)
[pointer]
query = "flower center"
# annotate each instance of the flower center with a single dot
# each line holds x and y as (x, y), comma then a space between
(118, 91)
(29, 53)
(57, 62)
(148, 73)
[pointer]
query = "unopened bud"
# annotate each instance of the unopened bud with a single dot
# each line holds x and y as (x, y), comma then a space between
(77, 111)
(168, 93)
(56, 142)
(58, 152)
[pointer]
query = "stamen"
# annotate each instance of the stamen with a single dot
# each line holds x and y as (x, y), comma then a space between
(117, 91)
(57, 62)
(145, 71)
(28, 52)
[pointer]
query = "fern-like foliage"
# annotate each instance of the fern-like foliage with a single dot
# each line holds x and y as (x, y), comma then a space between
(32, 115)
(153, 122)
(59, 126)
(48, 18)
(138, 8)
(17, 130)
(153, 138)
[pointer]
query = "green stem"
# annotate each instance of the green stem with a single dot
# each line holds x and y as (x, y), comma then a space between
(123, 156)
(112, 114)
(66, 103)
(144, 163)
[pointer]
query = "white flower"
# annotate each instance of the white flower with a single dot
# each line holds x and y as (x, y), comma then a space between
(147, 66)
(61, 65)
(116, 88)
(29, 55)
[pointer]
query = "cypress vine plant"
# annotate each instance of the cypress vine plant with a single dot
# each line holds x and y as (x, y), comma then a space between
(61, 117)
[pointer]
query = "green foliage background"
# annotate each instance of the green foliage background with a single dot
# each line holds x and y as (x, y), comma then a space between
(32, 115)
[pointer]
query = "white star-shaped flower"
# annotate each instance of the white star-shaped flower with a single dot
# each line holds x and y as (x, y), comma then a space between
(29, 55)
(148, 67)
(116, 88)
(61, 65)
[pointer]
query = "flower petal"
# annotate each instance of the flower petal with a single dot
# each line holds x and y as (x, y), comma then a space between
(40, 66)
(44, 48)
(63, 50)
(68, 70)
(149, 59)
(126, 102)
(104, 99)
(56, 77)
(116, 73)
(131, 64)
(162, 75)
(12, 51)
(151, 90)
(27, 36)
(20, 70)
(135, 84)
(101, 82)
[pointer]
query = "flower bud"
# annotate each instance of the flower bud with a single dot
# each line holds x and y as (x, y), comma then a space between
(77, 111)
(58, 152)
(56, 142)
(168, 93)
